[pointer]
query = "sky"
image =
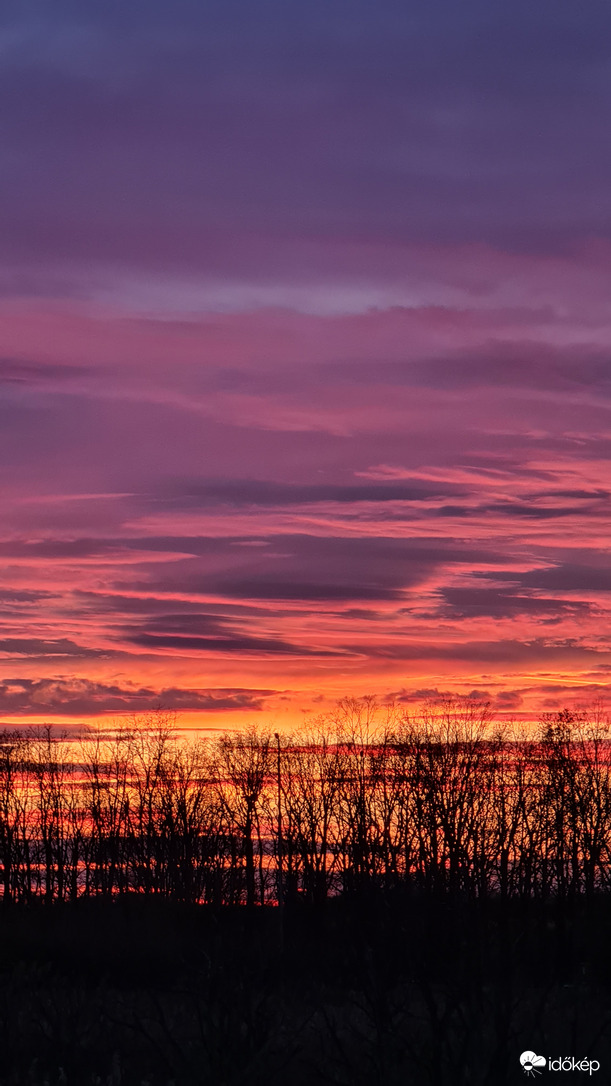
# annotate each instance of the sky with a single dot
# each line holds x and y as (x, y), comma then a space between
(305, 370)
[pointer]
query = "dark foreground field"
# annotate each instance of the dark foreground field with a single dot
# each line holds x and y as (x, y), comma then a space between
(372, 992)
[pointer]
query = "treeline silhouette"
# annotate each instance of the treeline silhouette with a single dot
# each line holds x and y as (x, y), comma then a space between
(366, 800)
(443, 882)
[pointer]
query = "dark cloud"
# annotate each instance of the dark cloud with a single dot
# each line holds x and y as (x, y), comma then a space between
(585, 495)
(481, 602)
(60, 548)
(502, 701)
(530, 509)
(36, 646)
(96, 603)
(87, 547)
(194, 622)
(157, 138)
(205, 632)
(225, 645)
(76, 697)
(425, 693)
(503, 653)
(91, 547)
(23, 595)
(564, 577)
(268, 589)
(309, 567)
(203, 546)
(508, 699)
(362, 613)
(244, 492)
(17, 372)
(188, 614)
(513, 366)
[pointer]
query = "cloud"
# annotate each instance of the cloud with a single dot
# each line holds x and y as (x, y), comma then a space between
(502, 653)
(518, 365)
(472, 602)
(20, 373)
(225, 645)
(312, 326)
(530, 509)
(40, 647)
(508, 699)
(268, 589)
(310, 567)
(83, 697)
(205, 632)
(563, 577)
(420, 125)
(23, 595)
(501, 701)
(245, 492)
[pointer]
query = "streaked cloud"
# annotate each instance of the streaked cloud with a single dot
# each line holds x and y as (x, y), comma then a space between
(305, 382)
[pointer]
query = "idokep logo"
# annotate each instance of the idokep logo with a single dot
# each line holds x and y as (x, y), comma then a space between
(569, 1063)
(534, 1065)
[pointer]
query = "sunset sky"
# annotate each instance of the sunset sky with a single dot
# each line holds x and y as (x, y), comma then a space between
(305, 366)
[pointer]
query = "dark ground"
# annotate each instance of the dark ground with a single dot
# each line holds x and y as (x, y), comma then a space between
(358, 992)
